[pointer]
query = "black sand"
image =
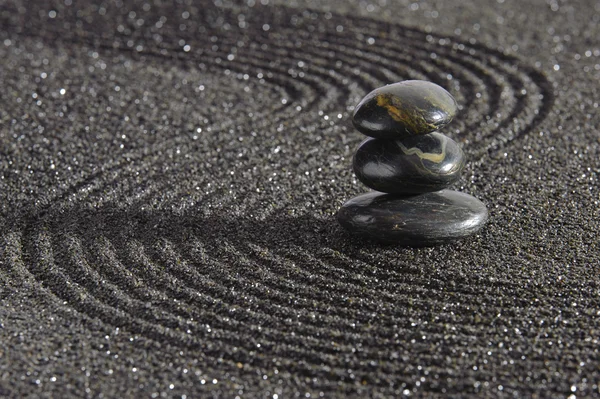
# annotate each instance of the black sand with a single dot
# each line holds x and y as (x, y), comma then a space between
(170, 176)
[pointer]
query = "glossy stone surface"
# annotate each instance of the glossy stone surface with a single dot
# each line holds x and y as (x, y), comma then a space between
(413, 165)
(420, 220)
(404, 109)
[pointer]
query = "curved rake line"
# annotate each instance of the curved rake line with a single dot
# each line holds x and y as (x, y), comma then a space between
(60, 285)
(212, 353)
(38, 248)
(316, 343)
(514, 82)
(277, 293)
(104, 313)
(155, 153)
(354, 315)
(240, 58)
(235, 332)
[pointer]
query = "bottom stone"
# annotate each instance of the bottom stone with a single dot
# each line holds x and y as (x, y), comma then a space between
(419, 220)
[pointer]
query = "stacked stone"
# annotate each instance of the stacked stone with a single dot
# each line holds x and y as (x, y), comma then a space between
(410, 165)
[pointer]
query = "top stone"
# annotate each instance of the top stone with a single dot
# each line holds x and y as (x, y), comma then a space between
(403, 109)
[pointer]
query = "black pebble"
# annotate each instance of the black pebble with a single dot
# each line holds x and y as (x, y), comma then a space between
(417, 164)
(404, 109)
(420, 220)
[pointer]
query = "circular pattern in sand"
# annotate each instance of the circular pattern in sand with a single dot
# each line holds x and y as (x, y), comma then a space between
(277, 78)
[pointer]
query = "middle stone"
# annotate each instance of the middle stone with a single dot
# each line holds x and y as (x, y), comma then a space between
(413, 165)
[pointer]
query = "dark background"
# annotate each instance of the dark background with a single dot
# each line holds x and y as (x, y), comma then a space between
(169, 179)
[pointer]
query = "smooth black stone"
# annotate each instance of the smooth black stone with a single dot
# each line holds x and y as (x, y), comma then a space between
(420, 220)
(413, 165)
(404, 109)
